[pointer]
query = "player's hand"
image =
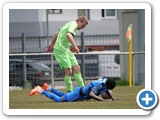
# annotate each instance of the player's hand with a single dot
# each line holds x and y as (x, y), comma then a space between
(77, 50)
(116, 99)
(107, 99)
(49, 48)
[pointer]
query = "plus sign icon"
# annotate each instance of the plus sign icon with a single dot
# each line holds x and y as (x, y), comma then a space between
(147, 99)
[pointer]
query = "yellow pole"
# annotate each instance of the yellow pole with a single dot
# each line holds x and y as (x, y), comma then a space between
(130, 63)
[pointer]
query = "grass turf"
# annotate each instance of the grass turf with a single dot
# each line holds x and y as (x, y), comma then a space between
(20, 99)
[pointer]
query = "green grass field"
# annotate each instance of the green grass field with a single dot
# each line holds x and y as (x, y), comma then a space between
(19, 99)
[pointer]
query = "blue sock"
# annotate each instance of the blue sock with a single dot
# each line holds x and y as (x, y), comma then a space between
(57, 92)
(52, 96)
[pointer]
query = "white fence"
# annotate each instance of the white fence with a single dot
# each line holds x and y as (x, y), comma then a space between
(106, 63)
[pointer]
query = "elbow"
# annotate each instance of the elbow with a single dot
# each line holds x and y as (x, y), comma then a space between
(91, 94)
(68, 35)
(56, 34)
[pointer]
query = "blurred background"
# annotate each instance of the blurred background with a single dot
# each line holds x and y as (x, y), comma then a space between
(103, 40)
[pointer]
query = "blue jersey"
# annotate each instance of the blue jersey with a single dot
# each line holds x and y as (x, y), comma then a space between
(98, 86)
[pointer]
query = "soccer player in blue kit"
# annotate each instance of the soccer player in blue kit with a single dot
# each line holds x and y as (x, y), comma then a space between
(91, 91)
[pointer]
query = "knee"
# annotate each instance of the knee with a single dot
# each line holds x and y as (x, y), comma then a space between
(68, 72)
(76, 69)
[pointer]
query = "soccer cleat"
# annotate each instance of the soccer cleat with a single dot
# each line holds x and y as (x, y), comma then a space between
(45, 86)
(34, 91)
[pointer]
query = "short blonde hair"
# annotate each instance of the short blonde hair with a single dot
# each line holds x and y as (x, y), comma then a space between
(82, 19)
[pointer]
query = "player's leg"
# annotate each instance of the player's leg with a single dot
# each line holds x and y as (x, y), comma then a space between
(64, 62)
(69, 97)
(77, 75)
(52, 96)
(67, 79)
(73, 96)
(46, 87)
(57, 92)
(76, 70)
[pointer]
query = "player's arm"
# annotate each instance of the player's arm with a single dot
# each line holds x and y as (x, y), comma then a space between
(94, 91)
(71, 40)
(94, 96)
(108, 93)
(54, 38)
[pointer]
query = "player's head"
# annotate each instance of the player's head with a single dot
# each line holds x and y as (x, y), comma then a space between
(82, 22)
(111, 83)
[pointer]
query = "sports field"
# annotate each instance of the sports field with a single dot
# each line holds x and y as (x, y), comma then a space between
(19, 99)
